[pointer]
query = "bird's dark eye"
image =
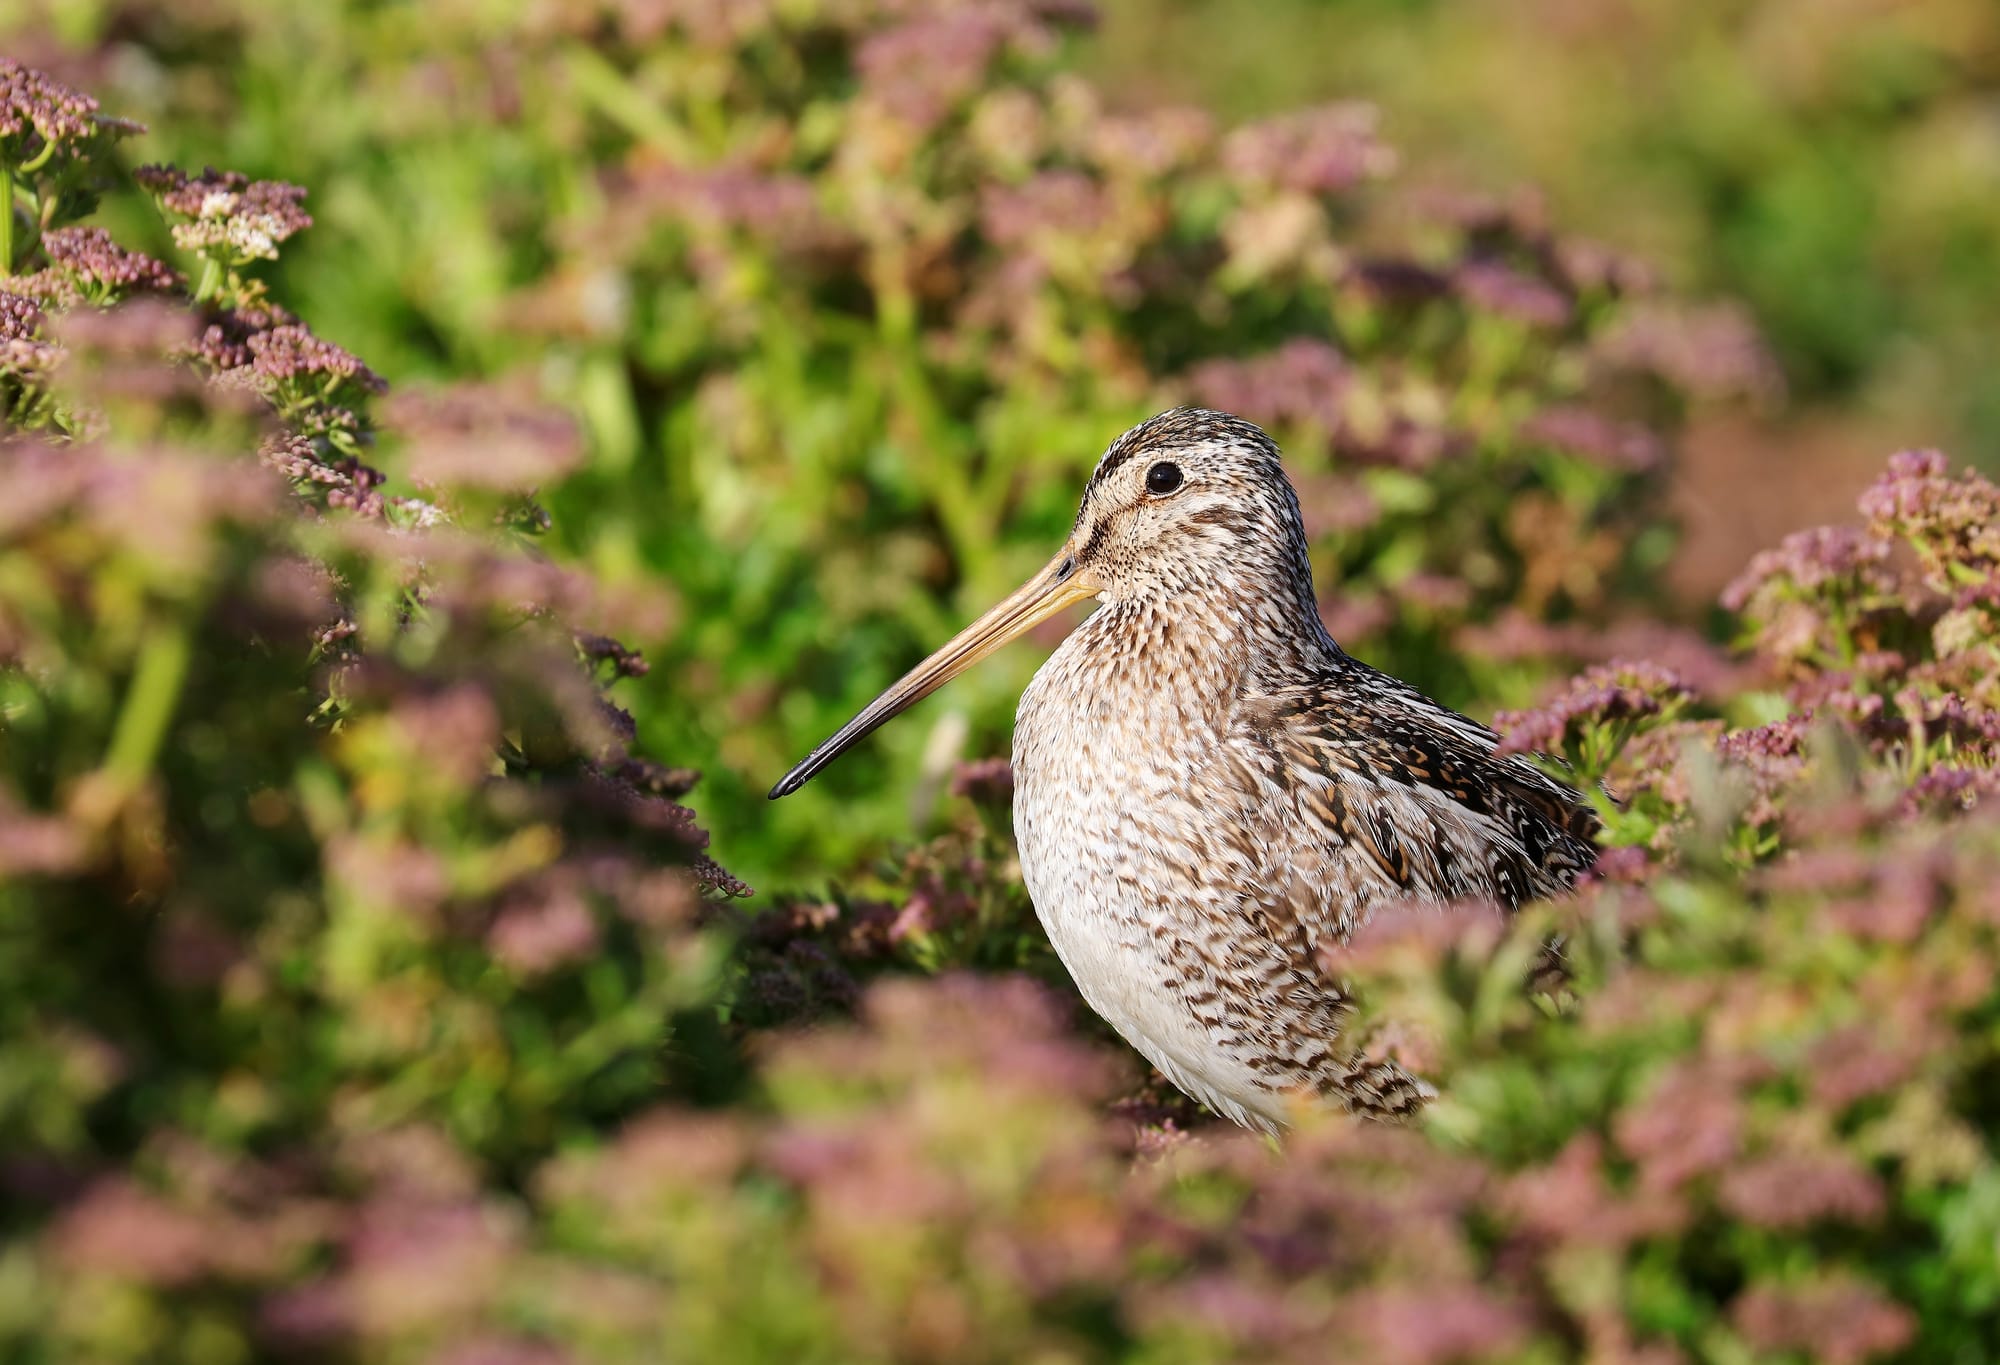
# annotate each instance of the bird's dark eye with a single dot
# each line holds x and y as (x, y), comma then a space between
(1163, 477)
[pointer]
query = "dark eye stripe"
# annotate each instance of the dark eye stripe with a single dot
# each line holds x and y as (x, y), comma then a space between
(1090, 547)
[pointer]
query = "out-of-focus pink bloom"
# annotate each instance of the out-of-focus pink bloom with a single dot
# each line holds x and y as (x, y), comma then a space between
(1708, 352)
(1493, 287)
(1577, 430)
(120, 1230)
(1315, 151)
(1842, 1320)
(1789, 1190)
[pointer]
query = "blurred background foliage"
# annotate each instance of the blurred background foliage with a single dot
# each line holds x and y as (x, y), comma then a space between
(1835, 164)
(849, 297)
(369, 994)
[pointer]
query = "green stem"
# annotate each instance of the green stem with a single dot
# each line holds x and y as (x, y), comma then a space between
(6, 221)
(149, 705)
(618, 99)
(210, 281)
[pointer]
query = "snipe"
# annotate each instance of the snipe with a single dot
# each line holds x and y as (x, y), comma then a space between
(1207, 788)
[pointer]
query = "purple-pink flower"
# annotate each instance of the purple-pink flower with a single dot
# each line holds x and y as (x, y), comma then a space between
(1812, 559)
(37, 112)
(1315, 151)
(226, 213)
(88, 257)
(1608, 693)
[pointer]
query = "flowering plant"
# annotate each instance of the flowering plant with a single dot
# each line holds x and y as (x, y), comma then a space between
(313, 801)
(367, 993)
(849, 296)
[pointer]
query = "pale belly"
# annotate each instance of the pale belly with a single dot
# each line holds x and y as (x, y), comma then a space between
(1093, 871)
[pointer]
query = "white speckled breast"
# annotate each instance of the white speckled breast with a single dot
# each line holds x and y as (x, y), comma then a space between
(1109, 783)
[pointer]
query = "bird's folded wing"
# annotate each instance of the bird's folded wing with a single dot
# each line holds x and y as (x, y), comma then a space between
(1373, 792)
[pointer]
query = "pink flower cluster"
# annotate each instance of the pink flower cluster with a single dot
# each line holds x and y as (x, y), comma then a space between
(1606, 694)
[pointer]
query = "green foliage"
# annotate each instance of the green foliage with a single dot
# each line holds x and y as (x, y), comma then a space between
(364, 995)
(315, 822)
(1832, 165)
(850, 299)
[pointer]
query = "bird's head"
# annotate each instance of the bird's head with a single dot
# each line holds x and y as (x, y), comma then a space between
(1190, 502)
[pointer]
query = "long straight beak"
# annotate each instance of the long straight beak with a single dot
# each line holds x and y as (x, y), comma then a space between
(1058, 585)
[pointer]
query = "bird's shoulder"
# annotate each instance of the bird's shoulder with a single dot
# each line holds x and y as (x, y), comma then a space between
(1392, 794)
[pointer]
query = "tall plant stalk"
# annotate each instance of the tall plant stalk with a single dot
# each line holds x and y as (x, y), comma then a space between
(6, 221)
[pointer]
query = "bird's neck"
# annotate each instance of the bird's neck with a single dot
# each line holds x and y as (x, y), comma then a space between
(1206, 647)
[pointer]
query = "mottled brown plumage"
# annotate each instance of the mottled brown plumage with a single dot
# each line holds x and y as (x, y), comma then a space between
(1208, 789)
